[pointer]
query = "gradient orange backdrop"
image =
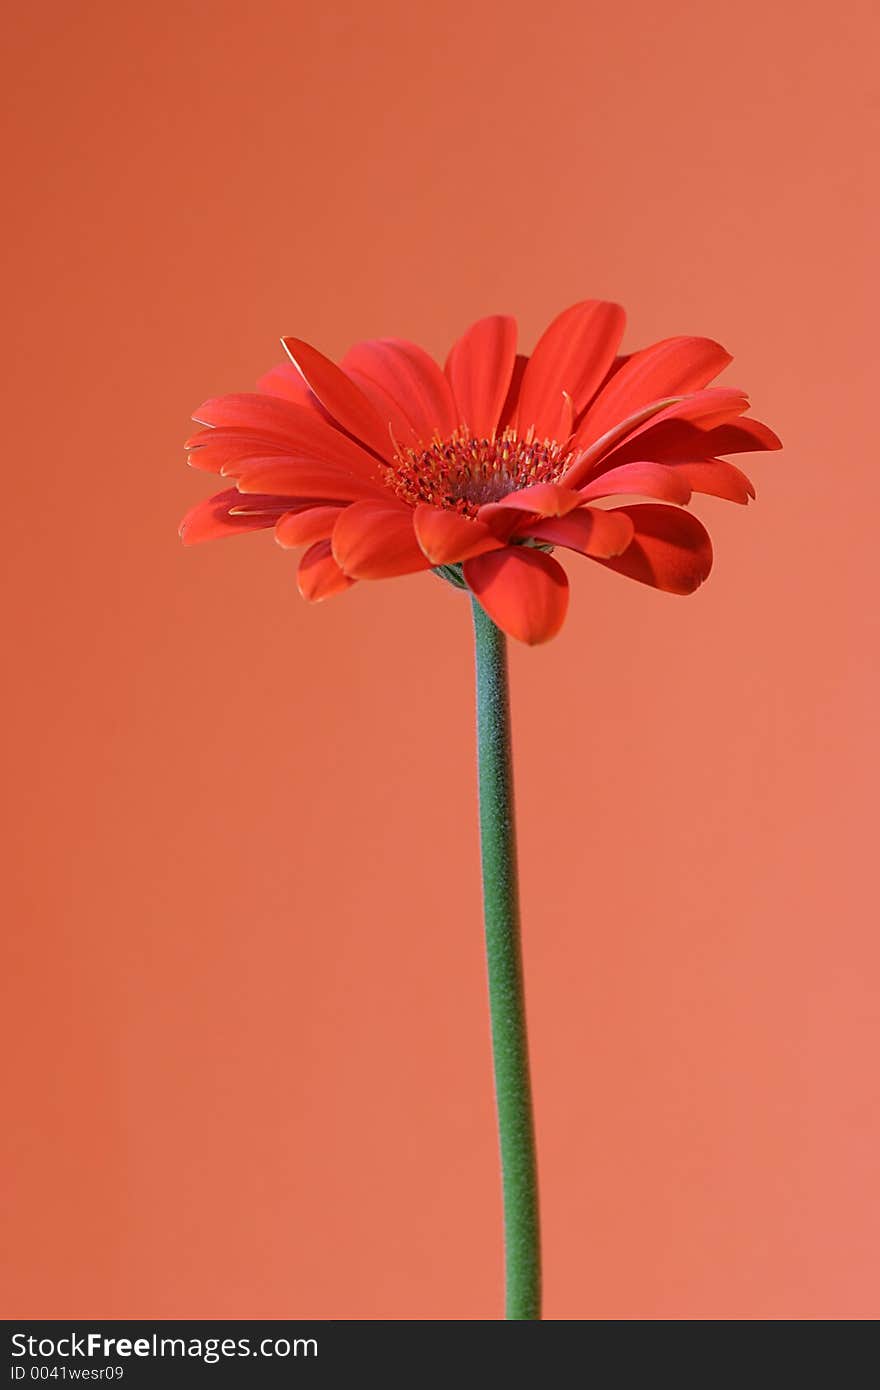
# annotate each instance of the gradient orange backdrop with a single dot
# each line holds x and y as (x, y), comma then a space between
(248, 1049)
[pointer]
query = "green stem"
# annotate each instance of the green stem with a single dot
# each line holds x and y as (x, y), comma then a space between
(516, 1131)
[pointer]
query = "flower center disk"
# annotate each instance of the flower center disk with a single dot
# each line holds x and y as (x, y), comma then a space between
(462, 473)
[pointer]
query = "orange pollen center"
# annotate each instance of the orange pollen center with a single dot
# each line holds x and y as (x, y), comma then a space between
(462, 473)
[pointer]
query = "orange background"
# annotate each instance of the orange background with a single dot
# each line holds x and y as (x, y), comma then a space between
(249, 1055)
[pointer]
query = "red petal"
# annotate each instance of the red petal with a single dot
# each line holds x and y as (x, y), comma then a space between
(306, 527)
(286, 382)
(674, 367)
(372, 540)
(211, 449)
(294, 478)
(214, 517)
(544, 499)
(502, 521)
(340, 397)
(319, 576)
(672, 482)
(640, 480)
(252, 411)
(524, 591)
(587, 460)
(572, 357)
(564, 418)
(590, 531)
(683, 441)
(708, 408)
(508, 410)
(355, 364)
(300, 430)
(670, 549)
(412, 378)
(716, 478)
(743, 437)
(479, 368)
(716, 405)
(447, 537)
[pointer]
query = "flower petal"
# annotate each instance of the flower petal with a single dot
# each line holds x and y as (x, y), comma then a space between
(356, 364)
(285, 381)
(508, 410)
(305, 527)
(707, 408)
(741, 437)
(339, 396)
(674, 367)
(289, 477)
(374, 540)
(212, 449)
(684, 441)
(299, 429)
(447, 537)
(479, 369)
(502, 521)
(639, 480)
(544, 499)
(715, 478)
(218, 516)
(524, 591)
(412, 378)
(564, 419)
(319, 576)
(250, 410)
(670, 549)
(669, 480)
(716, 405)
(589, 531)
(572, 357)
(586, 460)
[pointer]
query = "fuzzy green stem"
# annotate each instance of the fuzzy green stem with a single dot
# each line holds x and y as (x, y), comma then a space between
(516, 1131)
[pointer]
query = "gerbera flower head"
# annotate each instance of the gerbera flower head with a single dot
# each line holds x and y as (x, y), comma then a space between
(387, 464)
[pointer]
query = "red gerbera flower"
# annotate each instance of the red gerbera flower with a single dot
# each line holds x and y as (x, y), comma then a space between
(387, 464)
